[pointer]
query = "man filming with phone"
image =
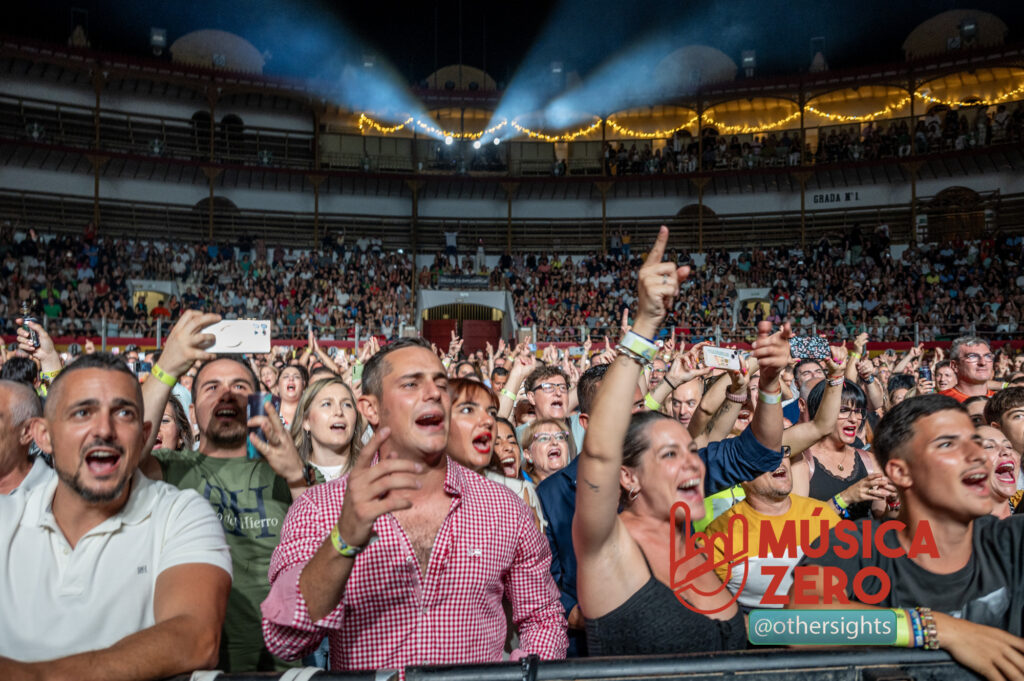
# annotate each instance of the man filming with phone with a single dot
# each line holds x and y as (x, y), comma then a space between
(250, 495)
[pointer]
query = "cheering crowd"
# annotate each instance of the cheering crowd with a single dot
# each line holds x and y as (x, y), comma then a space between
(844, 285)
(411, 506)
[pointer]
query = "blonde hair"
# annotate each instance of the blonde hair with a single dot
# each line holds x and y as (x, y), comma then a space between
(304, 441)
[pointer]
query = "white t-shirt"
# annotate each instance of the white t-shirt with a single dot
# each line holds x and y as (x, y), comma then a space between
(39, 474)
(59, 601)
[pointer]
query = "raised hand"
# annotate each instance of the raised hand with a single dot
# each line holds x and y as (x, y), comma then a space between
(771, 351)
(658, 283)
(370, 492)
(279, 448)
(45, 353)
(836, 364)
(186, 343)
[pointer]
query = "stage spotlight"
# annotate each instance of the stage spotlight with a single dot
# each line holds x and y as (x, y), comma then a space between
(449, 140)
(476, 144)
(497, 141)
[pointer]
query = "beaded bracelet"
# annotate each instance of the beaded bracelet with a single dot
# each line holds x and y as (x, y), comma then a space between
(928, 629)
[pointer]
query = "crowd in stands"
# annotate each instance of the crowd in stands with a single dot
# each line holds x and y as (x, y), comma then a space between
(409, 505)
(845, 284)
(941, 129)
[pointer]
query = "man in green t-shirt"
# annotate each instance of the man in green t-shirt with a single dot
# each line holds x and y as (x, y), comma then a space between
(251, 496)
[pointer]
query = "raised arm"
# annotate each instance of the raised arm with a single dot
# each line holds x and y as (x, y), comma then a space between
(801, 436)
(772, 353)
(185, 346)
(521, 368)
(597, 495)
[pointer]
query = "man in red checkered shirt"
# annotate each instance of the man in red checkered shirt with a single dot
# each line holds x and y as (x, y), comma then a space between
(406, 561)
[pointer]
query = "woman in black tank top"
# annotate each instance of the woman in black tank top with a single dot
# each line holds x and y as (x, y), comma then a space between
(648, 464)
(836, 470)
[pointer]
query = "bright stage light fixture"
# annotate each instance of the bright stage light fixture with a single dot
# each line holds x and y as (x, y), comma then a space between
(449, 140)
(476, 144)
(497, 141)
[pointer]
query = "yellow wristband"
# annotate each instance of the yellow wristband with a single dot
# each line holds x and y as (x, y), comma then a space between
(509, 394)
(652, 404)
(903, 637)
(163, 376)
(343, 547)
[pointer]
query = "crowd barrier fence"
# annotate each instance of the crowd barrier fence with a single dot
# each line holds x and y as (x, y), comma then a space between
(842, 664)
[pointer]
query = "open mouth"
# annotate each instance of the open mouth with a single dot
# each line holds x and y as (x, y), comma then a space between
(1006, 472)
(780, 474)
(482, 443)
(508, 466)
(850, 431)
(226, 412)
(554, 455)
(690, 490)
(339, 427)
(977, 482)
(102, 462)
(557, 405)
(431, 420)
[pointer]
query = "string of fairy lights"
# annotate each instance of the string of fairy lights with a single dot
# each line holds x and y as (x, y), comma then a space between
(368, 124)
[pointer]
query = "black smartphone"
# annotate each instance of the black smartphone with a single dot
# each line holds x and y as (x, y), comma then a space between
(924, 373)
(256, 405)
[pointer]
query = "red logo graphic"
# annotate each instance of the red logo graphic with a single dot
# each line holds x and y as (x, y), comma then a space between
(700, 544)
(784, 543)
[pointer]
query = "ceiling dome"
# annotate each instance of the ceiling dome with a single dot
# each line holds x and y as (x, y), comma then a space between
(217, 49)
(460, 77)
(687, 68)
(944, 32)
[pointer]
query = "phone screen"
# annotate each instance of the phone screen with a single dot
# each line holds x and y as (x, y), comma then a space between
(809, 347)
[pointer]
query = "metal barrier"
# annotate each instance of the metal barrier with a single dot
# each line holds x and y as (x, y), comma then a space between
(845, 664)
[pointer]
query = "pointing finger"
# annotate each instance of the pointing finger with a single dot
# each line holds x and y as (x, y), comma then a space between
(658, 249)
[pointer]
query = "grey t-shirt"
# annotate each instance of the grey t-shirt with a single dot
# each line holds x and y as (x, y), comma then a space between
(988, 590)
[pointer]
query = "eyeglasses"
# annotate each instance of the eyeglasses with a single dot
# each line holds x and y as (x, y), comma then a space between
(549, 388)
(544, 438)
(975, 358)
(847, 413)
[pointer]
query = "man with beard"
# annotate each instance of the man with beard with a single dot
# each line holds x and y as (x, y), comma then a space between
(251, 496)
(107, 574)
(769, 505)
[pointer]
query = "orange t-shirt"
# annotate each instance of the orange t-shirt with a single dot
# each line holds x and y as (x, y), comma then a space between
(960, 397)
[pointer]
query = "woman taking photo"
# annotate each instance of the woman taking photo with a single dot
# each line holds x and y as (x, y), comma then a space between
(328, 428)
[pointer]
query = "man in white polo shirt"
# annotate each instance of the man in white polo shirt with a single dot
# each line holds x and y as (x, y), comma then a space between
(19, 470)
(105, 573)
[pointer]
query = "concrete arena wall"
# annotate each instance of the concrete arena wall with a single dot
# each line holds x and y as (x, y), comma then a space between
(766, 202)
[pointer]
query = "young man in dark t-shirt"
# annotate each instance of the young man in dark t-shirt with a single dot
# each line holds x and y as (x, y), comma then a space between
(968, 567)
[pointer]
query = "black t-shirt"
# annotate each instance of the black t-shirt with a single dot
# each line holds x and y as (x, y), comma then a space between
(988, 590)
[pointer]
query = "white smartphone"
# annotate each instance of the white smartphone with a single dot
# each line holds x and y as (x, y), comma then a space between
(251, 336)
(722, 358)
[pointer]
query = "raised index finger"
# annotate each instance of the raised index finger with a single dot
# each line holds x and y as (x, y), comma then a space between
(657, 251)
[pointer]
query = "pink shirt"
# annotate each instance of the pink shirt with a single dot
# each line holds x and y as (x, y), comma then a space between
(392, 615)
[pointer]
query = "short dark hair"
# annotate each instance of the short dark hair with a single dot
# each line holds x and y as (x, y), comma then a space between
(897, 381)
(586, 389)
(896, 428)
(852, 394)
(301, 369)
(234, 358)
(20, 370)
(97, 360)
(377, 366)
(499, 371)
(974, 400)
(540, 373)
(1002, 402)
(806, 360)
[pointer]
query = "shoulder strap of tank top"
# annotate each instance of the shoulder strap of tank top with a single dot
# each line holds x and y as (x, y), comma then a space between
(866, 459)
(809, 458)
